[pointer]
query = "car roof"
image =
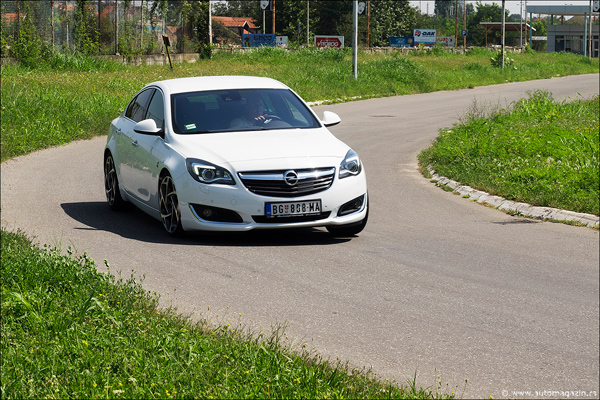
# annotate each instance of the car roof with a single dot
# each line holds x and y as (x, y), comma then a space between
(201, 83)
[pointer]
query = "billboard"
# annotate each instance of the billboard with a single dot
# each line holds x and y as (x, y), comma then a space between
(447, 41)
(401, 41)
(425, 36)
(281, 41)
(257, 40)
(336, 42)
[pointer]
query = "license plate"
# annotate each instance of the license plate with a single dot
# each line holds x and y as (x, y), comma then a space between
(296, 208)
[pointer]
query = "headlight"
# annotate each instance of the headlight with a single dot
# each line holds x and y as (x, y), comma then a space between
(351, 165)
(205, 172)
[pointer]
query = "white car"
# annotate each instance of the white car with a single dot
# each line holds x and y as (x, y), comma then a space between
(232, 153)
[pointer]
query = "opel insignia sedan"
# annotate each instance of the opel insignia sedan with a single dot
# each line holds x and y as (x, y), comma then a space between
(233, 153)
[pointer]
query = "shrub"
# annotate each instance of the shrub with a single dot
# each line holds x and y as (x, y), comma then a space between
(28, 45)
(497, 61)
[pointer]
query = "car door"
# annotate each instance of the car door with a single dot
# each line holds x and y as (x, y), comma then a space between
(131, 162)
(147, 153)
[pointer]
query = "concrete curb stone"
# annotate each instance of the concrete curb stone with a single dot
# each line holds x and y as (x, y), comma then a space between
(517, 208)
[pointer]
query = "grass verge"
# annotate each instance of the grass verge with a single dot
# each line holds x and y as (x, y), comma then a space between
(539, 151)
(75, 98)
(69, 331)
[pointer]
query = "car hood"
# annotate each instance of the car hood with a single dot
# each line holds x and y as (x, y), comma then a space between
(250, 148)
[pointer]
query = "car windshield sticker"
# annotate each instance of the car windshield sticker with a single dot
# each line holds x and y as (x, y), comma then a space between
(190, 126)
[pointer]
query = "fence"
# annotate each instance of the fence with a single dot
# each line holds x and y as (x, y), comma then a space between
(132, 27)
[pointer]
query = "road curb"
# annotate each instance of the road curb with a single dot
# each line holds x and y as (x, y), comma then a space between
(516, 208)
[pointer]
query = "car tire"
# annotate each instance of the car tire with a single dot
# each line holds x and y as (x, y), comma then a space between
(111, 184)
(168, 203)
(349, 229)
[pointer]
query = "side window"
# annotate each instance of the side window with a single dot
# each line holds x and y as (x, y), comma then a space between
(156, 109)
(138, 106)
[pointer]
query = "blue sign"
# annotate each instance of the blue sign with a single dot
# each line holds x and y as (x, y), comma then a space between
(425, 36)
(257, 40)
(401, 41)
(464, 32)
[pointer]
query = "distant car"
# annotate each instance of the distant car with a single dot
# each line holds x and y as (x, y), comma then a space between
(232, 153)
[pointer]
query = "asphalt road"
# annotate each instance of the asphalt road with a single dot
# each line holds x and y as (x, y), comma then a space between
(436, 285)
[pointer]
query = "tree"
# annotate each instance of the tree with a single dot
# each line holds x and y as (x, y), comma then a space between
(444, 8)
(26, 46)
(222, 32)
(237, 8)
(288, 14)
(390, 18)
(198, 18)
(327, 17)
(85, 29)
(484, 13)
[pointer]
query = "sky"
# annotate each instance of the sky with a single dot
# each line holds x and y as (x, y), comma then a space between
(513, 6)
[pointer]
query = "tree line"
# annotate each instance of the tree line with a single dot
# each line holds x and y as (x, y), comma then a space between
(92, 27)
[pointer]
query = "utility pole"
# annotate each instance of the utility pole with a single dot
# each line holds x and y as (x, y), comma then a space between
(307, 20)
(116, 27)
(369, 23)
(456, 23)
(591, 48)
(464, 25)
(355, 39)
(141, 26)
(503, 25)
(521, 14)
(273, 2)
(52, 22)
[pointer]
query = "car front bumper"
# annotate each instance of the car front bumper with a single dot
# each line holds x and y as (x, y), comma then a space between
(235, 208)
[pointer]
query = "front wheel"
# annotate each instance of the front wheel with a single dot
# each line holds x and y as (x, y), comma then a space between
(170, 214)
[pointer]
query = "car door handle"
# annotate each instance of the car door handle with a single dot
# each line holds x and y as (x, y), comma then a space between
(134, 143)
(119, 131)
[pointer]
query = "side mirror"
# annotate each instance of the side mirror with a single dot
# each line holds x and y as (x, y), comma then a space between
(330, 118)
(147, 127)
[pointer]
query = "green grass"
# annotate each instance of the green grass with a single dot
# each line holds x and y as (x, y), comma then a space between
(74, 98)
(539, 151)
(69, 331)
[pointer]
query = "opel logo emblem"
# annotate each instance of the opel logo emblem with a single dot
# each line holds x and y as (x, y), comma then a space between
(290, 178)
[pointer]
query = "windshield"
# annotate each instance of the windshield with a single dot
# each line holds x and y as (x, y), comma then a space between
(239, 110)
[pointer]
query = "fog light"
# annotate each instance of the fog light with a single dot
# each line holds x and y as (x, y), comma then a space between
(352, 206)
(215, 214)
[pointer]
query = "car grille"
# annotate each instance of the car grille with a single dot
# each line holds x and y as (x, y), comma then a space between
(288, 183)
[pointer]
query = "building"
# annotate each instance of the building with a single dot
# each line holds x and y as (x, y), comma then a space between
(569, 38)
(239, 25)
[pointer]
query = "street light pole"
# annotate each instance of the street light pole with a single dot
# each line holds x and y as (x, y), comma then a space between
(456, 23)
(307, 20)
(355, 39)
(503, 25)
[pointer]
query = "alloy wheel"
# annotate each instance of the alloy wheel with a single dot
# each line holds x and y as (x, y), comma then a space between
(169, 206)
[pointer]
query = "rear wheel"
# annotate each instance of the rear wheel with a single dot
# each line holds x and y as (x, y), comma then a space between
(111, 184)
(350, 229)
(170, 214)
